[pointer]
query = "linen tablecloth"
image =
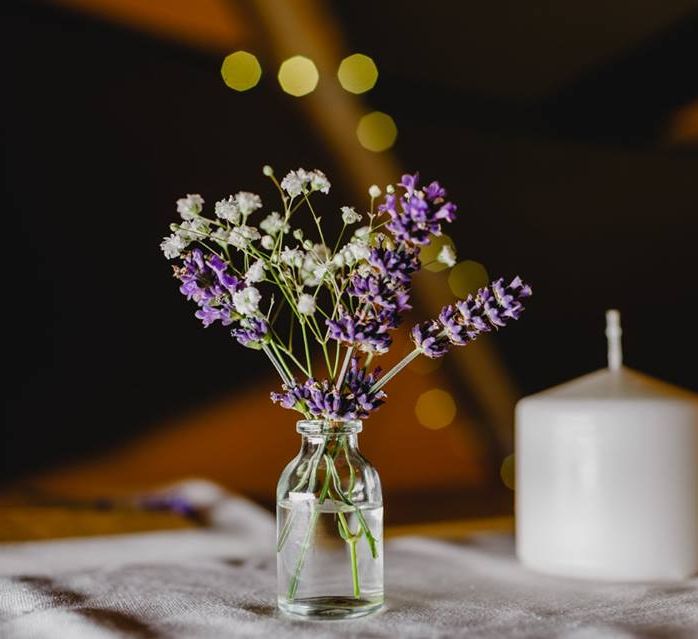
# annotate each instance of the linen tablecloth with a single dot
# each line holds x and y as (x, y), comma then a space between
(220, 583)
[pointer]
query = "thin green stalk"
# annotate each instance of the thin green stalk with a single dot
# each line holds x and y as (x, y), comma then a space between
(307, 349)
(395, 370)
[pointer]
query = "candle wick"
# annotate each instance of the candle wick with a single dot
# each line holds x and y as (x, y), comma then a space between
(613, 334)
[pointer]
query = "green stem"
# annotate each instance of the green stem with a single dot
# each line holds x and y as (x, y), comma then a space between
(395, 370)
(354, 568)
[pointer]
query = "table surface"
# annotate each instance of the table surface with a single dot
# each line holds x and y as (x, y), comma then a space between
(453, 579)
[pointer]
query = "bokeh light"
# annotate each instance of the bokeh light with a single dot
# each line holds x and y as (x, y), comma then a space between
(507, 472)
(435, 408)
(298, 76)
(357, 73)
(376, 131)
(466, 277)
(429, 253)
(241, 70)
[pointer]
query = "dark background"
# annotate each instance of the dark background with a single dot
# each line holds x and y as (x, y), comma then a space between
(563, 164)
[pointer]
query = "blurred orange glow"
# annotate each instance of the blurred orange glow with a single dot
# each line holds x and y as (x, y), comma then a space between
(210, 24)
(684, 125)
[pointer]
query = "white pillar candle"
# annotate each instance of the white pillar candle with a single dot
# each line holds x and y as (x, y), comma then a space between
(607, 476)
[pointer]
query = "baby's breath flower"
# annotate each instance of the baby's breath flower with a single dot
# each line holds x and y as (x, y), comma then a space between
(306, 304)
(273, 224)
(267, 170)
(255, 273)
(374, 191)
(301, 180)
(298, 234)
(362, 233)
(292, 257)
(293, 182)
(221, 235)
(191, 230)
(247, 202)
(190, 206)
(308, 244)
(172, 246)
(242, 235)
(349, 215)
(318, 182)
(447, 255)
(246, 301)
(228, 210)
(390, 189)
(267, 242)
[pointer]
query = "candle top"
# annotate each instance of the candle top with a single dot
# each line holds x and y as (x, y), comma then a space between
(621, 384)
(616, 382)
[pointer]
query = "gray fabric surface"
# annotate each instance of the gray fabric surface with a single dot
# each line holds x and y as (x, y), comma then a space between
(221, 584)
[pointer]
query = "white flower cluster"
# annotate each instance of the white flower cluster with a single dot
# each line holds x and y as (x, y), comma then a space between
(349, 215)
(296, 182)
(190, 206)
(447, 255)
(236, 208)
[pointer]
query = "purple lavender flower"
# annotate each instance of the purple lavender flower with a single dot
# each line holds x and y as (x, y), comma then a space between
(323, 399)
(208, 281)
(379, 291)
(490, 308)
(398, 264)
(359, 383)
(417, 214)
(429, 337)
(252, 332)
(368, 333)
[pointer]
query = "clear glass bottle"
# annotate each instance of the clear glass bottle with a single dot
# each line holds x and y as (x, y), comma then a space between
(329, 522)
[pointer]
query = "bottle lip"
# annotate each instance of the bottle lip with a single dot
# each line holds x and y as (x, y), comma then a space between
(329, 426)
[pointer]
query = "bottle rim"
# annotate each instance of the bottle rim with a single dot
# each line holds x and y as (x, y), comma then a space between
(329, 426)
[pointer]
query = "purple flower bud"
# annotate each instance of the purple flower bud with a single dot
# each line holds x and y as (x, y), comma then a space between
(429, 337)
(252, 332)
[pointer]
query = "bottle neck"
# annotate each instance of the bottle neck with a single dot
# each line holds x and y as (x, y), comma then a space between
(329, 435)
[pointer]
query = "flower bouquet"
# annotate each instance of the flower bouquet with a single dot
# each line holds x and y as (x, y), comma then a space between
(290, 295)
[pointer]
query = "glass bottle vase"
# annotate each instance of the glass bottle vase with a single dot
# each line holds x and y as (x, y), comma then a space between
(329, 521)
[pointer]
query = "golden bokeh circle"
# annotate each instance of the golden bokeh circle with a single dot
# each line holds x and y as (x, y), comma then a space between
(435, 408)
(376, 131)
(357, 73)
(241, 70)
(298, 76)
(466, 277)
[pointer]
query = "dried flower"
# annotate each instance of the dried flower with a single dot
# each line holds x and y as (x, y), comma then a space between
(228, 210)
(252, 332)
(349, 215)
(273, 224)
(172, 246)
(190, 206)
(306, 304)
(447, 255)
(246, 301)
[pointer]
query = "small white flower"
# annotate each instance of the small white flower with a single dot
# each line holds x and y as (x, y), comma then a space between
(190, 230)
(228, 210)
(374, 191)
(298, 234)
(241, 236)
(390, 189)
(292, 257)
(338, 260)
(190, 206)
(308, 245)
(255, 273)
(355, 251)
(306, 304)
(267, 242)
(294, 182)
(318, 182)
(247, 203)
(273, 224)
(446, 255)
(220, 235)
(267, 170)
(172, 246)
(246, 301)
(349, 215)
